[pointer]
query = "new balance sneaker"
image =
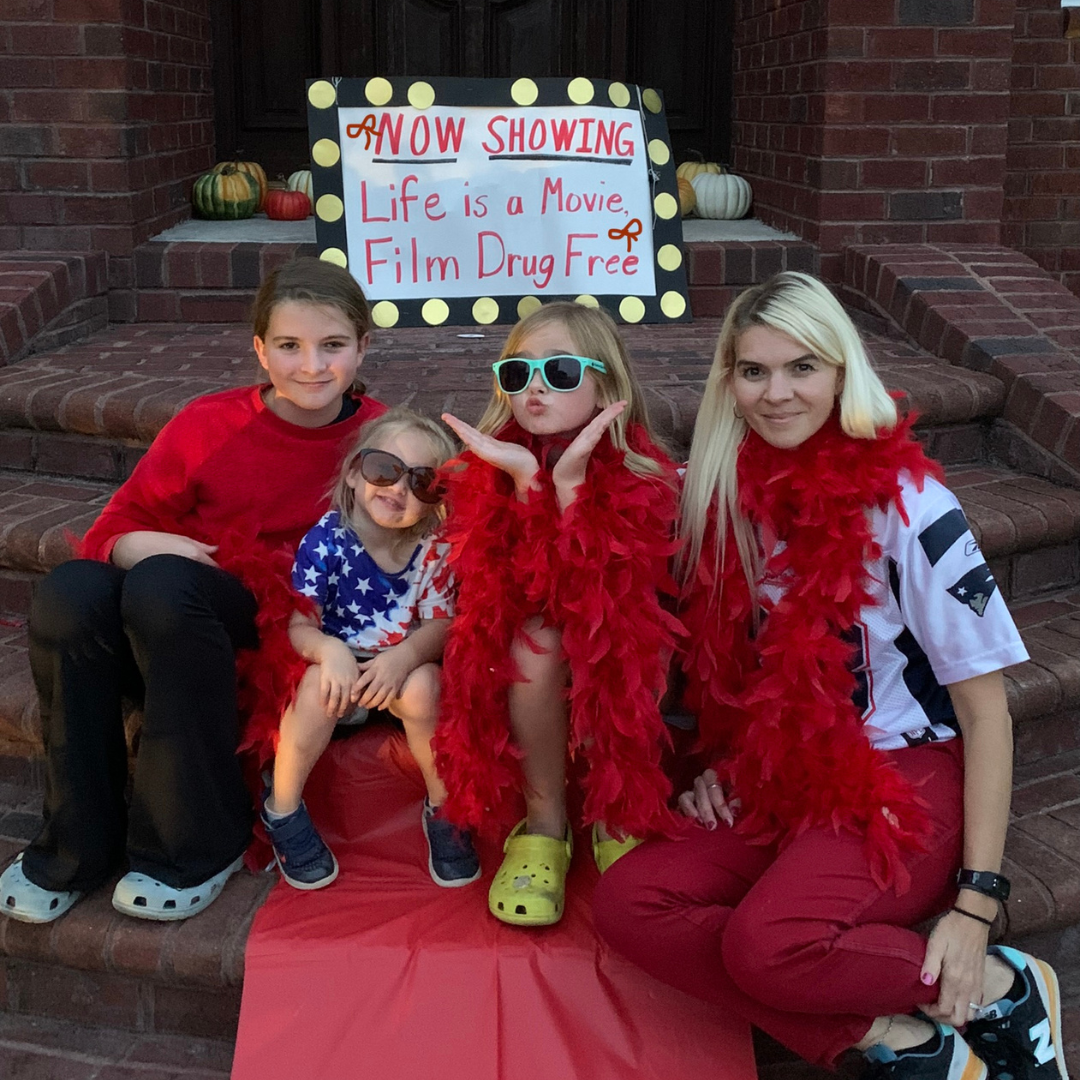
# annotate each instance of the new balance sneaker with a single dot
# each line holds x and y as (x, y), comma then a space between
(947, 1058)
(452, 860)
(1019, 1036)
(303, 858)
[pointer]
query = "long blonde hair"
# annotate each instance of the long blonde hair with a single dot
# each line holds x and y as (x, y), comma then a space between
(595, 335)
(807, 312)
(390, 423)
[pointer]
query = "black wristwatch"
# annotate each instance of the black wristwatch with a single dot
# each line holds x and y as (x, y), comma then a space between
(983, 881)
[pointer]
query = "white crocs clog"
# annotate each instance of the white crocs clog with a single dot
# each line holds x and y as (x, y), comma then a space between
(146, 898)
(21, 899)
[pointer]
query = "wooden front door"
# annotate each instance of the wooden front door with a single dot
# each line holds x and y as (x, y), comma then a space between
(264, 52)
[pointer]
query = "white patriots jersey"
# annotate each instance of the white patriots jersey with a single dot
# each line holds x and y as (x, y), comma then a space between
(365, 606)
(938, 618)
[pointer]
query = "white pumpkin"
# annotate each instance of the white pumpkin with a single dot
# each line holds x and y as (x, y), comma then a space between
(721, 196)
(301, 181)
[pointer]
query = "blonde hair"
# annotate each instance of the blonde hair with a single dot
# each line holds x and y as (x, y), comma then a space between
(390, 423)
(801, 307)
(595, 336)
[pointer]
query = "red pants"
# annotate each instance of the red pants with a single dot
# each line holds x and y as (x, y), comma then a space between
(801, 943)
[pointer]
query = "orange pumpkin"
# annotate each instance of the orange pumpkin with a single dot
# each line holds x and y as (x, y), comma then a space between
(687, 198)
(254, 170)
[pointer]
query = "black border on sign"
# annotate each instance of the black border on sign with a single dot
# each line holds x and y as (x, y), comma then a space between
(323, 124)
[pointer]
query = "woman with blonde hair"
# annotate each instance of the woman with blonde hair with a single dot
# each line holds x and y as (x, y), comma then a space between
(844, 661)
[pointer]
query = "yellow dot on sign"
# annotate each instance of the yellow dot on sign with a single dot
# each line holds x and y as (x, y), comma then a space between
(527, 305)
(672, 304)
(435, 312)
(329, 207)
(619, 95)
(322, 94)
(659, 152)
(524, 92)
(585, 300)
(651, 100)
(326, 153)
(485, 310)
(378, 91)
(384, 314)
(669, 257)
(665, 205)
(335, 256)
(421, 95)
(580, 91)
(632, 309)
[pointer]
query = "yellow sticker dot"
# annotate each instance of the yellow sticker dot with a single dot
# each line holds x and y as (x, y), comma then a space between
(524, 92)
(651, 100)
(665, 205)
(485, 310)
(421, 95)
(672, 304)
(527, 305)
(322, 94)
(659, 152)
(335, 256)
(384, 314)
(329, 207)
(632, 309)
(435, 312)
(580, 91)
(378, 91)
(326, 153)
(619, 95)
(669, 257)
(585, 300)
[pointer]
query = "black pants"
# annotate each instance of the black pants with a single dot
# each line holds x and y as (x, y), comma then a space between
(164, 635)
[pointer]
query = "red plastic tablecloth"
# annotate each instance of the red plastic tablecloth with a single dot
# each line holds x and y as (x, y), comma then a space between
(384, 975)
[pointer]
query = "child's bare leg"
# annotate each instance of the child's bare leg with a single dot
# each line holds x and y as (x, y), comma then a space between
(538, 720)
(305, 734)
(417, 708)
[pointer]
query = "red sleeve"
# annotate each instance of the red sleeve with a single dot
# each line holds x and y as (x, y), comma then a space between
(156, 494)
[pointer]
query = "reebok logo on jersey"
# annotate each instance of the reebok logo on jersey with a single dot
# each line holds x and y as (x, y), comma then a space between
(975, 589)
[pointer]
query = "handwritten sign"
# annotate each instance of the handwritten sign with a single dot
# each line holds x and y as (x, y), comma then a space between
(473, 201)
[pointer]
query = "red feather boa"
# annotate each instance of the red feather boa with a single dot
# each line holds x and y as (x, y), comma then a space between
(594, 572)
(777, 708)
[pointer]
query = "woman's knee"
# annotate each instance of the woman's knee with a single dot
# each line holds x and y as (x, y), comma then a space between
(160, 595)
(765, 956)
(76, 598)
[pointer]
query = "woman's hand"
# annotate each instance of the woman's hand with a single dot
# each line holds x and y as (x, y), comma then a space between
(133, 547)
(382, 677)
(338, 673)
(956, 961)
(516, 461)
(569, 472)
(706, 802)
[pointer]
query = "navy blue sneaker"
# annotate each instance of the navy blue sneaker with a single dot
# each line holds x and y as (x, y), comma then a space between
(950, 1058)
(1019, 1036)
(303, 858)
(452, 860)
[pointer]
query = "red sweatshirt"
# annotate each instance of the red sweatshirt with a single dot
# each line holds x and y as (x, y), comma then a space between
(226, 460)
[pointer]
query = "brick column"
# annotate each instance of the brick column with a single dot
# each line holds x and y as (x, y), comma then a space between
(105, 115)
(874, 121)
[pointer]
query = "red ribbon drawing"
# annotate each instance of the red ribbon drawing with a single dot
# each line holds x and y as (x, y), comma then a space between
(367, 129)
(630, 233)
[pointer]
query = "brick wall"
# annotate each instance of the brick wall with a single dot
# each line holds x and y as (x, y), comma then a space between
(1042, 181)
(874, 121)
(105, 113)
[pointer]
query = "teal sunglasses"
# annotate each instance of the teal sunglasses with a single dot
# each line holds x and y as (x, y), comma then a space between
(562, 373)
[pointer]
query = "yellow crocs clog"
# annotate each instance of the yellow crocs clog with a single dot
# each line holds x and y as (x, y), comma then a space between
(530, 887)
(606, 852)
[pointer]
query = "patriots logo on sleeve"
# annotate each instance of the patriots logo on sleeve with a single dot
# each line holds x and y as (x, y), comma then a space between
(975, 589)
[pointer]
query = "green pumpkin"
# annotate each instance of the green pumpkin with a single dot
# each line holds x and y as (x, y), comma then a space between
(225, 195)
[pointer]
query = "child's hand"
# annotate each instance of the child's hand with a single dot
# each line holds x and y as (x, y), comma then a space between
(518, 462)
(382, 677)
(338, 673)
(569, 471)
